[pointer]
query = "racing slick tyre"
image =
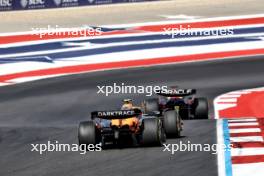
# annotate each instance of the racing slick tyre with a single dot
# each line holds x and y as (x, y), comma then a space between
(151, 105)
(153, 133)
(87, 133)
(172, 123)
(201, 108)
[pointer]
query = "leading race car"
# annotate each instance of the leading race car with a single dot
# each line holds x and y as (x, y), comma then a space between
(183, 101)
(122, 127)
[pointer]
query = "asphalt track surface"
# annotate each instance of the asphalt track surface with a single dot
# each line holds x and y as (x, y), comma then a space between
(51, 109)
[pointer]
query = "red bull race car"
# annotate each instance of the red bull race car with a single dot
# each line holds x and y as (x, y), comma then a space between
(183, 101)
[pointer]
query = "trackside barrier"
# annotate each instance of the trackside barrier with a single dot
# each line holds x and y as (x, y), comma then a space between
(7, 5)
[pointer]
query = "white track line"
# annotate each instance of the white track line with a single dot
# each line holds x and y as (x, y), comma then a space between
(228, 100)
(240, 92)
(230, 96)
(246, 130)
(242, 120)
(247, 151)
(247, 139)
(243, 124)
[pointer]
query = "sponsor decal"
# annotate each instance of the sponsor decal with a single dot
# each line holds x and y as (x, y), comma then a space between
(135, 0)
(103, 1)
(91, 1)
(57, 2)
(41, 4)
(32, 4)
(66, 3)
(24, 3)
(176, 91)
(5, 4)
(114, 113)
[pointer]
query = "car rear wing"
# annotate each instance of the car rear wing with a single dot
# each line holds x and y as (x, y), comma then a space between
(176, 92)
(116, 114)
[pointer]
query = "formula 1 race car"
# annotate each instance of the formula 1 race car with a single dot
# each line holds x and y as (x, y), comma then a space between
(122, 127)
(183, 101)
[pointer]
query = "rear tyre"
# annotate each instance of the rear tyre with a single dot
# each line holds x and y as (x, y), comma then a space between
(201, 108)
(151, 105)
(152, 133)
(172, 123)
(87, 133)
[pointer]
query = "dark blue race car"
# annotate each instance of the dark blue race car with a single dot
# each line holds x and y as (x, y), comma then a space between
(181, 100)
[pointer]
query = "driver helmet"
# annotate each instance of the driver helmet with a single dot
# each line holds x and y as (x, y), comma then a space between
(127, 104)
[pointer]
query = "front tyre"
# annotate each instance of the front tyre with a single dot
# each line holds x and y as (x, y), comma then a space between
(151, 105)
(201, 108)
(87, 133)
